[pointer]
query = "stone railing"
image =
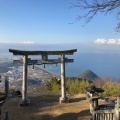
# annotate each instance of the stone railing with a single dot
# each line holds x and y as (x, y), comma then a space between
(108, 112)
(103, 115)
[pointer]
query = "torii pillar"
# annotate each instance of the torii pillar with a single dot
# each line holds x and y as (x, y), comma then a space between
(63, 97)
(24, 82)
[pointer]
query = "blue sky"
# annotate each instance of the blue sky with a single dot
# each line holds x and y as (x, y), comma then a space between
(47, 21)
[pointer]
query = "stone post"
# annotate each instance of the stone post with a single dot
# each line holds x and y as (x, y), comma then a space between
(63, 83)
(91, 106)
(24, 82)
(6, 87)
(116, 114)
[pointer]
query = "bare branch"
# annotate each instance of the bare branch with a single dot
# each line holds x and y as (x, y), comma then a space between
(117, 29)
(91, 8)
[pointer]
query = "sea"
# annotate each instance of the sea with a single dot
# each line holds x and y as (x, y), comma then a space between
(103, 64)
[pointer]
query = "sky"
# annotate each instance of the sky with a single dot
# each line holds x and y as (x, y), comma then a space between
(52, 21)
(50, 24)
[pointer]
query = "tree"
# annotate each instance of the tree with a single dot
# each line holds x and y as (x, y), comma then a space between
(93, 7)
(108, 88)
(54, 85)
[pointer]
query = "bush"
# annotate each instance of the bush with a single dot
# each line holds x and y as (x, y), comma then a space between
(76, 86)
(54, 86)
(111, 88)
(73, 86)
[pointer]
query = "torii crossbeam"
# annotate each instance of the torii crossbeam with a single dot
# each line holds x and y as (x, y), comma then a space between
(44, 60)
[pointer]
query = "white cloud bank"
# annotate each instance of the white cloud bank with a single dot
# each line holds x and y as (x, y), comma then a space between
(27, 42)
(23, 42)
(108, 41)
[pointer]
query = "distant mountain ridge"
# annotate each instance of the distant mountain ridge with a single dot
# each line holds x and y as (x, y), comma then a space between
(89, 75)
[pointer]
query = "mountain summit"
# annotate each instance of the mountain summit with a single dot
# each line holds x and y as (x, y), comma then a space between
(89, 75)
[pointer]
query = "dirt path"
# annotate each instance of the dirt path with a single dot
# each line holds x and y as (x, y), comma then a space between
(48, 108)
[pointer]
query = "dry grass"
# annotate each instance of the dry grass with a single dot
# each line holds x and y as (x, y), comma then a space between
(48, 108)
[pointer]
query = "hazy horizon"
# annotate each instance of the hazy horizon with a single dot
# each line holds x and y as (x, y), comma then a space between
(102, 60)
(81, 47)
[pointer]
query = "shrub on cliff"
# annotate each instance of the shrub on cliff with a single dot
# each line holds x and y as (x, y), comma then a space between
(111, 88)
(54, 86)
(76, 86)
(73, 86)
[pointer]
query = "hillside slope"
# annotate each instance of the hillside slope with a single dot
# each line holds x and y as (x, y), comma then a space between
(89, 75)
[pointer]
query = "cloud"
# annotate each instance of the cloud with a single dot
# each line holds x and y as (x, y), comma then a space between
(108, 41)
(24, 42)
(27, 42)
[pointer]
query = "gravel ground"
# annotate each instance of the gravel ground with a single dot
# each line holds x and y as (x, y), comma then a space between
(48, 108)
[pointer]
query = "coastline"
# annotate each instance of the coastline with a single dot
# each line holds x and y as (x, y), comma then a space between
(44, 70)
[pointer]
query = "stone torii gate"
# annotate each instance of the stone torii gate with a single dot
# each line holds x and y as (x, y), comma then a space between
(44, 60)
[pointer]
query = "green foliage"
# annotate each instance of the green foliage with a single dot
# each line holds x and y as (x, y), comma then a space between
(76, 86)
(111, 88)
(73, 86)
(53, 86)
